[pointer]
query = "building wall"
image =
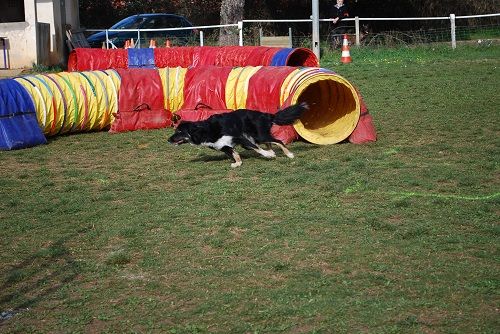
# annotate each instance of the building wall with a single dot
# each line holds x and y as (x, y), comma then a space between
(72, 14)
(22, 36)
(46, 13)
(21, 39)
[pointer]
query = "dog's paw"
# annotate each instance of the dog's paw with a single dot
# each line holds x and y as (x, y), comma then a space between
(270, 154)
(290, 155)
(236, 164)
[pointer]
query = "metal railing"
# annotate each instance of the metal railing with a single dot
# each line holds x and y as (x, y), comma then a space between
(240, 25)
(452, 19)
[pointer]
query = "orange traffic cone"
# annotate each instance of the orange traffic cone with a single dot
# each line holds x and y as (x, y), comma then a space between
(132, 45)
(167, 43)
(346, 55)
(152, 44)
(127, 44)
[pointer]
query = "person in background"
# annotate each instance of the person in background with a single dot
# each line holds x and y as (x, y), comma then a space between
(338, 12)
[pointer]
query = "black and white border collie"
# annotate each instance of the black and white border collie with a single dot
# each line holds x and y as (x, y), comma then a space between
(248, 128)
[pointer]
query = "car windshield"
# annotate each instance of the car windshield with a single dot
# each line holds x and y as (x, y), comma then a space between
(132, 22)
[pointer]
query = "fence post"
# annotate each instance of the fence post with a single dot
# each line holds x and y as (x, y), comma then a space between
(107, 39)
(453, 32)
(356, 24)
(201, 37)
(315, 27)
(240, 30)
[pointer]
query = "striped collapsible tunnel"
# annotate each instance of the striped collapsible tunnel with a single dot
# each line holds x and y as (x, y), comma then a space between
(73, 102)
(88, 101)
(334, 102)
(85, 59)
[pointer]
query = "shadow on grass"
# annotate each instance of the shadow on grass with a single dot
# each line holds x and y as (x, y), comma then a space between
(36, 278)
(213, 155)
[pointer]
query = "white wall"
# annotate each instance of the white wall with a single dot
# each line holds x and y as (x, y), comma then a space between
(21, 36)
(21, 39)
(46, 14)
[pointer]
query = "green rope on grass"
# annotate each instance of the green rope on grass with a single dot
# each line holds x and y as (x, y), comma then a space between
(467, 198)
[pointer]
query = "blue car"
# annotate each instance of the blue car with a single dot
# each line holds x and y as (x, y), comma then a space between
(146, 21)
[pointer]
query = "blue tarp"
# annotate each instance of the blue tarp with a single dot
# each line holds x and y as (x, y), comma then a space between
(141, 58)
(18, 123)
(280, 58)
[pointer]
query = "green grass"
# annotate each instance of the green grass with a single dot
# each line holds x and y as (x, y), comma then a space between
(125, 233)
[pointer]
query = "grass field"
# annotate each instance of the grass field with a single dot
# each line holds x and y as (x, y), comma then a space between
(124, 233)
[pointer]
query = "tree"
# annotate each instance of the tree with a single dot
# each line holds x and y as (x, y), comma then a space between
(231, 11)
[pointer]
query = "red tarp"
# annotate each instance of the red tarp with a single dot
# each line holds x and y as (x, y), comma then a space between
(206, 86)
(141, 101)
(84, 59)
(365, 130)
(174, 57)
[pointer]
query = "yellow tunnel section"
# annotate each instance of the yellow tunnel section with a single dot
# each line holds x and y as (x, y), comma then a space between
(333, 101)
(73, 102)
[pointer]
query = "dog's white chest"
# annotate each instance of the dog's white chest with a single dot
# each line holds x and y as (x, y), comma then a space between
(220, 143)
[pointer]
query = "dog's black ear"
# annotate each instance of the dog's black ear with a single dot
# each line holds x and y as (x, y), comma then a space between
(195, 131)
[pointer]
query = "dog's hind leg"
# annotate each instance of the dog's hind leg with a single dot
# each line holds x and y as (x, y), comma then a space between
(285, 150)
(249, 144)
(265, 153)
(230, 152)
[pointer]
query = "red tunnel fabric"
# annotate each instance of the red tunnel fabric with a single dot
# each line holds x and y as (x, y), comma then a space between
(141, 101)
(85, 59)
(206, 86)
(201, 114)
(264, 91)
(263, 55)
(173, 57)
(365, 130)
(204, 55)
(204, 93)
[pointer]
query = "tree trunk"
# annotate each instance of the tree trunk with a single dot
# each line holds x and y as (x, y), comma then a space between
(231, 11)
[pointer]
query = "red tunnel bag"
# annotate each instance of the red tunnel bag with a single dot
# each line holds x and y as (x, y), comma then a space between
(140, 105)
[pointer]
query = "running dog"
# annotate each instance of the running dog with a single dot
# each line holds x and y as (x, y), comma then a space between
(248, 128)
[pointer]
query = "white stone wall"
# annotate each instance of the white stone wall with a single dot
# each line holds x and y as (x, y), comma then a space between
(22, 36)
(21, 39)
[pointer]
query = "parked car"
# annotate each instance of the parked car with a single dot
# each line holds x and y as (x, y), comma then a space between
(146, 21)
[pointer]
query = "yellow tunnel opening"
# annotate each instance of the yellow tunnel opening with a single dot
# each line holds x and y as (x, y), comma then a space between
(334, 109)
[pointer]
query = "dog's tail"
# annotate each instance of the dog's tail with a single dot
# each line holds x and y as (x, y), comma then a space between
(290, 114)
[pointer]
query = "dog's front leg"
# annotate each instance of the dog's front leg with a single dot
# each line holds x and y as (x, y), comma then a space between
(230, 152)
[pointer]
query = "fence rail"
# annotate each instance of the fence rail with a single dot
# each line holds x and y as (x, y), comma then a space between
(240, 25)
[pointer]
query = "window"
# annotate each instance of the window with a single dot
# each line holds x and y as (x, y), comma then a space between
(151, 24)
(13, 11)
(172, 22)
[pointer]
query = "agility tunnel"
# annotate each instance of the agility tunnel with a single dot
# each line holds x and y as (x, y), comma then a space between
(131, 99)
(18, 119)
(86, 59)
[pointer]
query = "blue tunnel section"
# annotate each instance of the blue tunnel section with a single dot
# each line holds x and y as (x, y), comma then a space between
(18, 120)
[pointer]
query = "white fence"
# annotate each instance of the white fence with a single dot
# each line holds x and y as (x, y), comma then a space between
(452, 18)
(239, 26)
